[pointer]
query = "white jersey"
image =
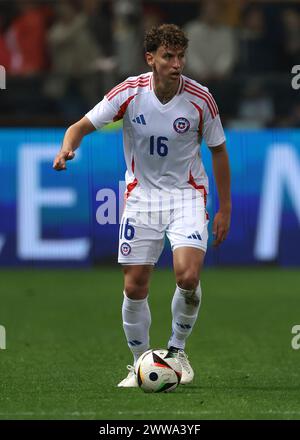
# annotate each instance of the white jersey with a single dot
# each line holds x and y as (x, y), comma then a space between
(162, 141)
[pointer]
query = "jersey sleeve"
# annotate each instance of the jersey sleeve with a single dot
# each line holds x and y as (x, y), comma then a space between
(103, 113)
(213, 132)
(113, 106)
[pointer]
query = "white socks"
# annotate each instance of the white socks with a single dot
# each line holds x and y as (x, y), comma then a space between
(137, 320)
(185, 308)
(136, 323)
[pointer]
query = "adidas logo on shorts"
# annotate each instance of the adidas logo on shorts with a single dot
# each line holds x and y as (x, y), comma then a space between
(195, 235)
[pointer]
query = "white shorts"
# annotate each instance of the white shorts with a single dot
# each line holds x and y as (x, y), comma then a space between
(142, 234)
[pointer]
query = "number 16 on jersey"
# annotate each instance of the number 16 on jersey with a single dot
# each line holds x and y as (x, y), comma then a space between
(159, 145)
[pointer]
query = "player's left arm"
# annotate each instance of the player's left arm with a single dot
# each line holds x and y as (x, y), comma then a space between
(221, 171)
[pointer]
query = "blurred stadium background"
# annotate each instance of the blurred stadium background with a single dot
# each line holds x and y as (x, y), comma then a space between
(59, 59)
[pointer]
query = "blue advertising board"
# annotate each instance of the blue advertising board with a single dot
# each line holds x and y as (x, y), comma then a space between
(72, 218)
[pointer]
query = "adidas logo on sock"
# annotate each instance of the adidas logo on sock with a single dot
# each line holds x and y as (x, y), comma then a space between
(196, 235)
(139, 120)
(184, 326)
(134, 343)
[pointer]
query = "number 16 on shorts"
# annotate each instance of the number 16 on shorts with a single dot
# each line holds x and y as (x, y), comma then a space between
(126, 233)
(127, 230)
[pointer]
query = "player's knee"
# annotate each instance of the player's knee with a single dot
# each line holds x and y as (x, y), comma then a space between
(188, 280)
(136, 291)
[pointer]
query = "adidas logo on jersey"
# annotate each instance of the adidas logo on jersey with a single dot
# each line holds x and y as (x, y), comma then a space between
(195, 235)
(139, 120)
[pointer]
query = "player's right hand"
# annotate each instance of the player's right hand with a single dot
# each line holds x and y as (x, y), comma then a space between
(59, 163)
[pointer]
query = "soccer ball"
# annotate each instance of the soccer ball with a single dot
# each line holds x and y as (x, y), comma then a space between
(158, 371)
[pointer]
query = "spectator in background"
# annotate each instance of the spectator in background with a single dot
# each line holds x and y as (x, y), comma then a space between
(127, 31)
(231, 12)
(99, 15)
(72, 47)
(5, 58)
(7, 14)
(76, 61)
(256, 52)
(26, 39)
(100, 24)
(212, 47)
(291, 24)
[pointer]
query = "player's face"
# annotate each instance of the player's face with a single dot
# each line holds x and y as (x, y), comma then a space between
(167, 62)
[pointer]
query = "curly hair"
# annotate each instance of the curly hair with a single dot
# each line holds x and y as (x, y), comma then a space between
(168, 35)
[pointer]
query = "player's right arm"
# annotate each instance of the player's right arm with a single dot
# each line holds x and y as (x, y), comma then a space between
(106, 111)
(71, 142)
(110, 109)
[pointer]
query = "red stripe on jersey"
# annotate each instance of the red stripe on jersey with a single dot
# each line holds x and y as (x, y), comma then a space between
(193, 86)
(126, 82)
(200, 188)
(123, 108)
(182, 84)
(123, 84)
(200, 117)
(192, 92)
(126, 86)
(204, 92)
(201, 94)
(130, 188)
(129, 81)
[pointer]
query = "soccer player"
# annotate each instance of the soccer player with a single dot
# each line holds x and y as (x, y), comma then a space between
(165, 116)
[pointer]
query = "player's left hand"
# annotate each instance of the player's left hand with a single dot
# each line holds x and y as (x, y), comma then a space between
(221, 227)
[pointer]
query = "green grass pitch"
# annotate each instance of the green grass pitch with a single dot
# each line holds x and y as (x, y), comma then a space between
(66, 350)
